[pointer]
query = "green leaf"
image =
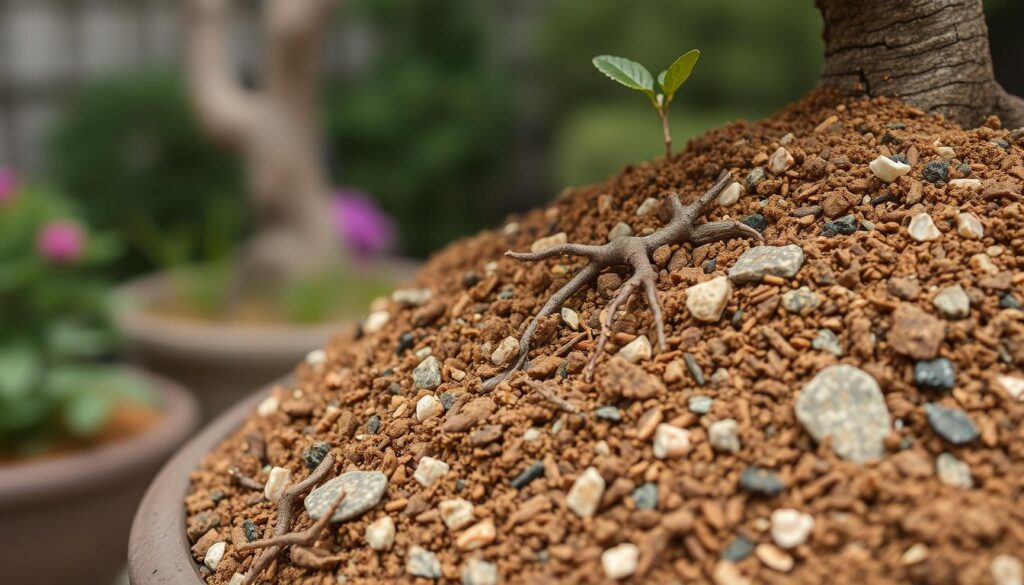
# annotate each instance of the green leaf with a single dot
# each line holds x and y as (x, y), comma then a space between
(629, 73)
(677, 73)
(19, 368)
(86, 412)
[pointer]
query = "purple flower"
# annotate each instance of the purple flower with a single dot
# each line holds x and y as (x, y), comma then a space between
(362, 227)
(8, 184)
(61, 241)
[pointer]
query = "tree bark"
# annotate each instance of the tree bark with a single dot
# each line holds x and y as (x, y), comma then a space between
(932, 54)
(274, 129)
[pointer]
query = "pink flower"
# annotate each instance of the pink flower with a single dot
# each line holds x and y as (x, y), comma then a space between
(8, 184)
(61, 241)
(362, 226)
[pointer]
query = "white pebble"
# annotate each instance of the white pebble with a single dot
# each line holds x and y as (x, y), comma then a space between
(422, 563)
(918, 552)
(707, 300)
(724, 435)
(774, 558)
(887, 169)
(427, 407)
(511, 228)
(237, 579)
(429, 470)
(570, 318)
(411, 297)
(646, 206)
(620, 229)
(730, 195)
(923, 229)
(380, 534)
(974, 184)
(790, 528)
(1007, 570)
(637, 350)
(456, 513)
(945, 152)
(376, 321)
(969, 227)
(585, 494)
(952, 302)
(620, 561)
(531, 434)
(727, 573)
(316, 357)
(548, 242)
(507, 349)
(1012, 385)
(214, 554)
(983, 263)
(780, 161)
(479, 572)
(787, 139)
(480, 534)
(670, 441)
(277, 481)
(268, 406)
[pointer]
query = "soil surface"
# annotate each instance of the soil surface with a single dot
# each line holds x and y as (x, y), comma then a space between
(904, 465)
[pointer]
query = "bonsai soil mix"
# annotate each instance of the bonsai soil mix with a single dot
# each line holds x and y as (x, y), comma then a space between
(842, 402)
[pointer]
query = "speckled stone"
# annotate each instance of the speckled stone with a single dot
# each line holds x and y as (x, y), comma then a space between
(953, 472)
(845, 403)
(827, 341)
(937, 374)
(363, 490)
(700, 404)
(951, 424)
(801, 301)
(427, 375)
(755, 263)
(423, 563)
(645, 497)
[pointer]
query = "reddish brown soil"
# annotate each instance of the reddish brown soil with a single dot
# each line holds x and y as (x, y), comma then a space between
(866, 516)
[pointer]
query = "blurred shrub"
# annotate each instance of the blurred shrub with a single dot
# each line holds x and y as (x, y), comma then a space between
(53, 327)
(424, 128)
(129, 149)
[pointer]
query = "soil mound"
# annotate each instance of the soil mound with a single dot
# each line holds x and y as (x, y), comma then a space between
(841, 405)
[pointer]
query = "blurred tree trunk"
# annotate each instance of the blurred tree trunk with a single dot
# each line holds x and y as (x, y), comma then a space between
(933, 54)
(274, 129)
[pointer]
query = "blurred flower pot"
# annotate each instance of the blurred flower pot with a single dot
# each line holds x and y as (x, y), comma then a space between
(66, 518)
(159, 550)
(221, 360)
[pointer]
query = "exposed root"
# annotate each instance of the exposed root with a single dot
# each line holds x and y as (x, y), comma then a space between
(244, 480)
(271, 547)
(632, 251)
(553, 398)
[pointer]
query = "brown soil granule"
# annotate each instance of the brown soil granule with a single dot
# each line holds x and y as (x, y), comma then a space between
(515, 452)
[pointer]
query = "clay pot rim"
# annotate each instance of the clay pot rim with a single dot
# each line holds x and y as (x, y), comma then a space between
(158, 548)
(31, 482)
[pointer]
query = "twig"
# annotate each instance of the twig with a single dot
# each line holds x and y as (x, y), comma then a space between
(553, 398)
(633, 251)
(244, 480)
(570, 344)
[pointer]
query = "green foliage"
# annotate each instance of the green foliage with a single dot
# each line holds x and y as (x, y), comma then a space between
(53, 327)
(677, 73)
(130, 150)
(425, 127)
(629, 73)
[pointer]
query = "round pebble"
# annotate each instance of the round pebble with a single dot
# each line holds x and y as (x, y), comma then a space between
(938, 374)
(951, 424)
(620, 561)
(363, 490)
(790, 528)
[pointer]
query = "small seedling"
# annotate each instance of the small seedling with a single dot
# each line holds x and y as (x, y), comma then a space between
(635, 76)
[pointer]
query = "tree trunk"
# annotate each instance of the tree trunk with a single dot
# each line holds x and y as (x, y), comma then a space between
(274, 129)
(932, 54)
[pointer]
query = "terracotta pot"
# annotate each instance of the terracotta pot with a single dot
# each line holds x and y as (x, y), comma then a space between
(66, 519)
(221, 362)
(159, 550)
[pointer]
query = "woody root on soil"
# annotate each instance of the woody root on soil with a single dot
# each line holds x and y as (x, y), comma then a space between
(634, 252)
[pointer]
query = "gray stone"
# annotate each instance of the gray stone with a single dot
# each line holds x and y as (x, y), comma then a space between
(953, 472)
(754, 177)
(646, 496)
(952, 302)
(801, 301)
(724, 436)
(479, 572)
(761, 482)
(427, 375)
(755, 263)
(738, 549)
(937, 374)
(422, 563)
(363, 490)
(827, 341)
(845, 403)
(700, 404)
(608, 413)
(951, 423)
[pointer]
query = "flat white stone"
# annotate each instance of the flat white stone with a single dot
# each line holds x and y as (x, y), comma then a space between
(887, 169)
(974, 184)
(506, 351)
(637, 350)
(969, 227)
(214, 554)
(707, 300)
(724, 435)
(237, 579)
(790, 528)
(983, 263)
(774, 558)
(620, 229)
(277, 481)
(780, 161)
(670, 441)
(429, 470)
(549, 242)
(730, 195)
(479, 572)
(922, 228)
(585, 493)
(952, 302)
(456, 513)
(1012, 385)
(570, 318)
(268, 406)
(1007, 570)
(478, 535)
(376, 321)
(646, 206)
(422, 563)
(945, 152)
(620, 561)
(953, 472)
(411, 297)
(917, 553)
(316, 357)
(427, 407)
(363, 490)
(380, 534)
